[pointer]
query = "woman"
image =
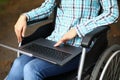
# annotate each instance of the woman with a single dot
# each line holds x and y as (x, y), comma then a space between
(74, 19)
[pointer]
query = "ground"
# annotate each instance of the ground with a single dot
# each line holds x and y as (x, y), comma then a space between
(9, 14)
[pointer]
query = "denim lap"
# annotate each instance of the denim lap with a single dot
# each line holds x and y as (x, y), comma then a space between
(16, 72)
(29, 68)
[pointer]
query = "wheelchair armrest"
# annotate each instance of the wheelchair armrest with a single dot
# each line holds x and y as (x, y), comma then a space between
(88, 38)
(40, 22)
(36, 21)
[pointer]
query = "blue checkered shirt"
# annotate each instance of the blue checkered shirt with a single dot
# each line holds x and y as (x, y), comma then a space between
(83, 15)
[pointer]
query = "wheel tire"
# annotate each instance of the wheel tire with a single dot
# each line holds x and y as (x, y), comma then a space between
(113, 72)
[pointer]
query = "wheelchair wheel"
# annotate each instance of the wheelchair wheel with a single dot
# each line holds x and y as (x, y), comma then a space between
(108, 65)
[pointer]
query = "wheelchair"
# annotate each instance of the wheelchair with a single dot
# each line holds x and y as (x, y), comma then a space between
(93, 64)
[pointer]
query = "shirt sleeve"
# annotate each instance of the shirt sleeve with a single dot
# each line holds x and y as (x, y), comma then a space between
(41, 12)
(109, 15)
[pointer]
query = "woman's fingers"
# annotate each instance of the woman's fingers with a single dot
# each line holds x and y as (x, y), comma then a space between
(20, 27)
(18, 34)
(69, 35)
(58, 43)
(62, 40)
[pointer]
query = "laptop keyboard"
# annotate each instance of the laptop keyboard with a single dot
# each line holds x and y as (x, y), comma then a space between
(45, 51)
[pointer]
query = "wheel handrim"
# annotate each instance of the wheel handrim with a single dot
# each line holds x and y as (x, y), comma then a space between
(113, 70)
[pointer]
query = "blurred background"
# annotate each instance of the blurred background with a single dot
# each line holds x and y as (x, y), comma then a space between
(9, 13)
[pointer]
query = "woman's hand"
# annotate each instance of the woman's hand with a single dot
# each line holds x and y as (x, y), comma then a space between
(69, 35)
(20, 27)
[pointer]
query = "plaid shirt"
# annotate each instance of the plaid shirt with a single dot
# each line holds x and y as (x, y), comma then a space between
(83, 15)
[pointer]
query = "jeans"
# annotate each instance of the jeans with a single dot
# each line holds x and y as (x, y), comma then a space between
(31, 68)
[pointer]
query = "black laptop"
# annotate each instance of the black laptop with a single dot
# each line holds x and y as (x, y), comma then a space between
(44, 49)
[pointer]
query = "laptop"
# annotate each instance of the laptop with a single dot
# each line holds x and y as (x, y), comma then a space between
(44, 49)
